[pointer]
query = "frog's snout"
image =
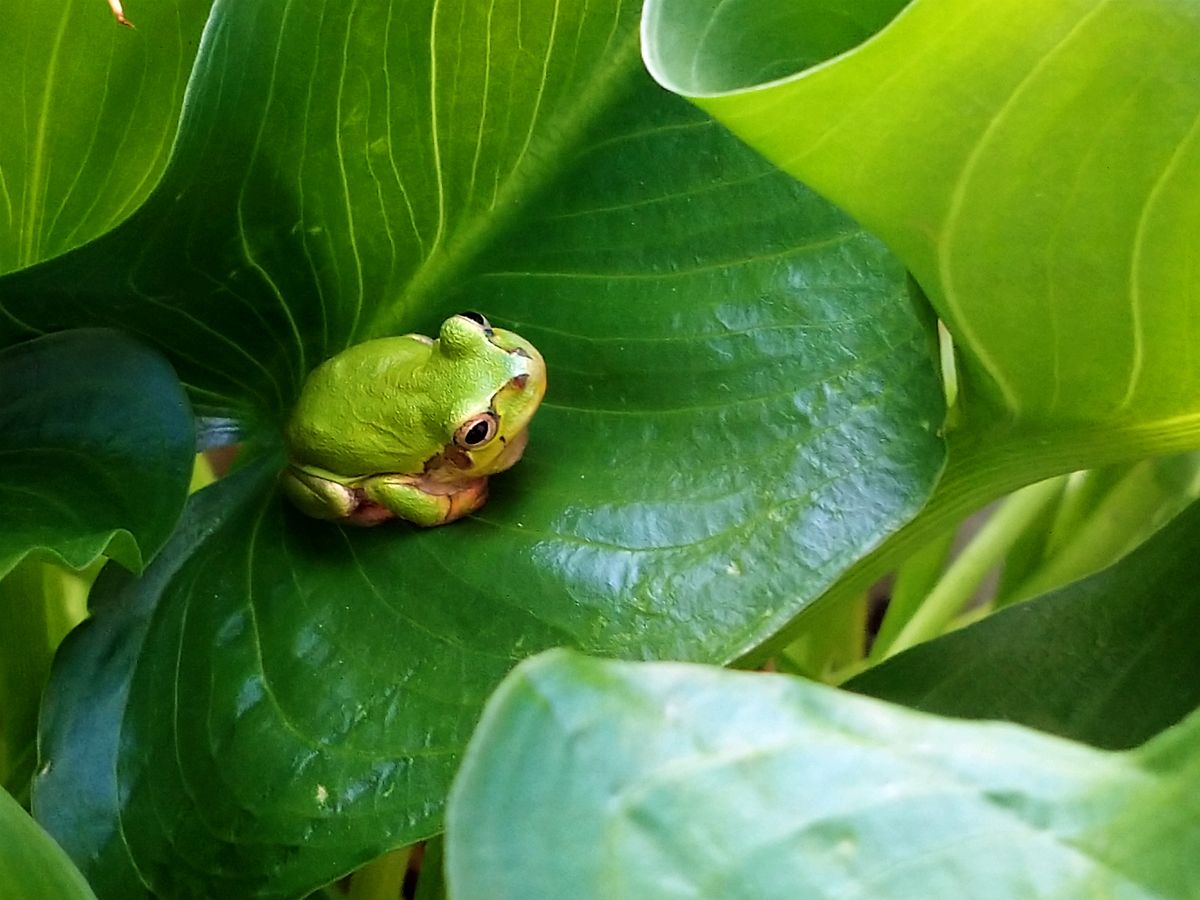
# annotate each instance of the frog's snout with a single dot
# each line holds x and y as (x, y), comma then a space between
(531, 382)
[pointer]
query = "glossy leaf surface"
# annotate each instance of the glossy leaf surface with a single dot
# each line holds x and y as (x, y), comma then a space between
(664, 780)
(97, 442)
(1109, 660)
(742, 402)
(33, 867)
(1033, 164)
(88, 111)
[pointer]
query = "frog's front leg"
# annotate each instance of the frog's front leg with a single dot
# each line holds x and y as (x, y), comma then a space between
(419, 500)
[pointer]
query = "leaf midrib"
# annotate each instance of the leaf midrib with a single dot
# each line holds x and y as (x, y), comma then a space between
(37, 185)
(449, 258)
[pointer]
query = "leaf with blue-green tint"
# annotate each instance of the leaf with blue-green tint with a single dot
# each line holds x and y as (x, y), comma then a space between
(97, 443)
(672, 781)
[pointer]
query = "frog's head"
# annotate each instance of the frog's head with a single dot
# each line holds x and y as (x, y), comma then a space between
(504, 378)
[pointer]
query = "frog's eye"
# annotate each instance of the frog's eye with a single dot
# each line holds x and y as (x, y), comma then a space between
(478, 318)
(476, 431)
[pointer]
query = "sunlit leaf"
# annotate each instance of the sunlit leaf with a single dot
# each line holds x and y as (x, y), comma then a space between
(1035, 165)
(87, 112)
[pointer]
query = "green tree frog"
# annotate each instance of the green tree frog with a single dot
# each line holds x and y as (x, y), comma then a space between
(410, 427)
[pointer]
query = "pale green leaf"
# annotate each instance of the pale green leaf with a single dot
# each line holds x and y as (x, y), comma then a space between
(1037, 166)
(87, 112)
(32, 866)
(590, 779)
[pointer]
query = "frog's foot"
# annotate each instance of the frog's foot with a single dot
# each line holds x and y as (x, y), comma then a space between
(368, 513)
(321, 498)
(417, 500)
(464, 502)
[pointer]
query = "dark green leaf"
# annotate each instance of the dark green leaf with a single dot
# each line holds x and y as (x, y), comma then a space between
(742, 402)
(1110, 660)
(76, 791)
(284, 688)
(97, 441)
(33, 867)
(591, 779)
(88, 110)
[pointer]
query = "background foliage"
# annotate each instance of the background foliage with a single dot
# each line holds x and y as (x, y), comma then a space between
(692, 481)
(764, 786)
(1053, 143)
(744, 414)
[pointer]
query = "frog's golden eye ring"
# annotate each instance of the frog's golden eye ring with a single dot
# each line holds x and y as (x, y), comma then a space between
(477, 431)
(478, 318)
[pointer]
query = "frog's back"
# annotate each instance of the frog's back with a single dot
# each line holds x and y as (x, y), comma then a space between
(361, 411)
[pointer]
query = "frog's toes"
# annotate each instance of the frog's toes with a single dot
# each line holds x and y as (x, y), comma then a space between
(369, 513)
(319, 497)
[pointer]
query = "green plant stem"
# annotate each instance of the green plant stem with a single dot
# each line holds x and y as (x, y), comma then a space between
(983, 464)
(382, 878)
(24, 664)
(39, 603)
(833, 641)
(1083, 491)
(914, 580)
(432, 884)
(1138, 501)
(985, 551)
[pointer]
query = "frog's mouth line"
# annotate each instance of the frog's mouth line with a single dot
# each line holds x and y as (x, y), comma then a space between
(451, 455)
(513, 450)
(454, 462)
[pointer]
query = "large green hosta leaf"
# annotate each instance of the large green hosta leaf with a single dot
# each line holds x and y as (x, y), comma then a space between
(87, 113)
(742, 403)
(1034, 164)
(662, 780)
